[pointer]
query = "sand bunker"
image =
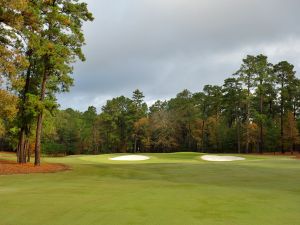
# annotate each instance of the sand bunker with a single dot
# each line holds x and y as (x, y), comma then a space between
(217, 158)
(130, 158)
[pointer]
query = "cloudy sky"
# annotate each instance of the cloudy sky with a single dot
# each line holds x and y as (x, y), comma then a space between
(164, 46)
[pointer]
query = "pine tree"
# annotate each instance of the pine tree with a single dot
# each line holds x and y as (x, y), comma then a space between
(59, 47)
(285, 76)
(246, 74)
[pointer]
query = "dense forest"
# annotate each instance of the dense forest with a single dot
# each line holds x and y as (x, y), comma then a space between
(255, 110)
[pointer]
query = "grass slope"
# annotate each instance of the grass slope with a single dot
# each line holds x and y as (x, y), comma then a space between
(167, 189)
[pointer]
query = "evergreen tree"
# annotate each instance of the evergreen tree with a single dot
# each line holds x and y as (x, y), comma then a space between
(246, 74)
(285, 76)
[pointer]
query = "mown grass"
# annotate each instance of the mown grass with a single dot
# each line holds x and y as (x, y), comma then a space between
(170, 189)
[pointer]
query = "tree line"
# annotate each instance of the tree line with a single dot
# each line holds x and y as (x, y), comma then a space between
(39, 42)
(255, 110)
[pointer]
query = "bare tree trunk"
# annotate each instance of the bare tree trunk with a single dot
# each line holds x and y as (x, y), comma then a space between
(28, 151)
(37, 152)
(281, 120)
(22, 133)
(95, 145)
(135, 144)
(238, 136)
(20, 149)
(24, 152)
(202, 147)
(247, 129)
(294, 111)
(261, 142)
(295, 114)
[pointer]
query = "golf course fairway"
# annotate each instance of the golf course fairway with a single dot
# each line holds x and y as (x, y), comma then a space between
(167, 189)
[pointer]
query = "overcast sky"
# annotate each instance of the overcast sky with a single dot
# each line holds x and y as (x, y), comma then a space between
(164, 46)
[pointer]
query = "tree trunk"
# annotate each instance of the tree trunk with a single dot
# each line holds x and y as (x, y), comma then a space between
(135, 144)
(28, 151)
(261, 142)
(95, 145)
(202, 147)
(295, 118)
(238, 136)
(37, 152)
(24, 125)
(21, 145)
(248, 118)
(281, 118)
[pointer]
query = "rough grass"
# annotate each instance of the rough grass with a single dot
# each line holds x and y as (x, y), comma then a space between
(167, 189)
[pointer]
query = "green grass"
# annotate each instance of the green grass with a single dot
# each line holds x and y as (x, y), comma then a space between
(175, 189)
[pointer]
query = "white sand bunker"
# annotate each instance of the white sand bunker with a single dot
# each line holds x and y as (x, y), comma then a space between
(217, 158)
(130, 158)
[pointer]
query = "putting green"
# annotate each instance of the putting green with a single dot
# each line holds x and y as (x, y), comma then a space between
(167, 189)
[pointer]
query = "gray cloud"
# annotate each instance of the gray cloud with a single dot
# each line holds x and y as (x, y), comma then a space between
(162, 47)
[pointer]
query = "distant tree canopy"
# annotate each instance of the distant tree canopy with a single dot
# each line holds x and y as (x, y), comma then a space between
(255, 110)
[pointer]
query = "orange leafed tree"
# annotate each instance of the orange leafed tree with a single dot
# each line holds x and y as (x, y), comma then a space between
(290, 132)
